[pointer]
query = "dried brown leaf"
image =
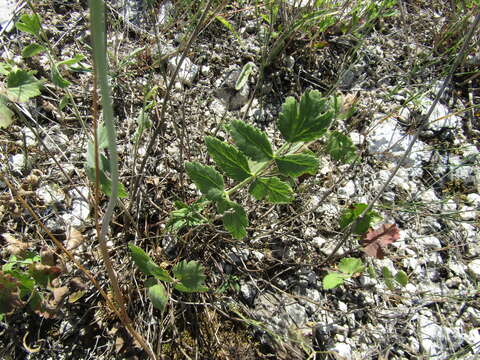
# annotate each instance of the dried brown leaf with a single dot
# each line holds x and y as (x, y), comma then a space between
(375, 240)
(74, 239)
(15, 246)
(60, 293)
(47, 256)
(9, 294)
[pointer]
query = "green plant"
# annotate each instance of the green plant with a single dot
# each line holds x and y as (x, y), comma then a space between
(348, 267)
(20, 86)
(400, 278)
(230, 283)
(187, 216)
(253, 162)
(353, 212)
(23, 280)
(187, 277)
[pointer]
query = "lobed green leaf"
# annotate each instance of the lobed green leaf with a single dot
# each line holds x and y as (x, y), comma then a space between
(350, 266)
(21, 86)
(353, 212)
(251, 141)
(306, 121)
(272, 189)
(158, 295)
(146, 264)
(333, 280)
(235, 218)
(297, 164)
(190, 275)
(29, 24)
(231, 161)
(208, 180)
(6, 115)
(32, 50)
(341, 148)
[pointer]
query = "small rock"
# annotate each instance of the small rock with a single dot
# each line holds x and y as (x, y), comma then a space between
(468, 213)
(453, 283)
(387, 141)
(474, 199)
(248, 292)
(441, 117)
(429, 196)
(17, 162)
(318, 242)
(430, 242)
(347, 191)
(296, 314)
(309, 232)
(343, 350)
(188, 70)
(7, 12)
(474, 268)
(50, 194)
(164, 12)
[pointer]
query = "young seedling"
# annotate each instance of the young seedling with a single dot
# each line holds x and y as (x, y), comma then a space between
(187, 277)
(348, 267)
(254, 163)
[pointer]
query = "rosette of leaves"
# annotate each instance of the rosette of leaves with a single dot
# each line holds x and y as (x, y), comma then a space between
(187, 277)
(268, 173)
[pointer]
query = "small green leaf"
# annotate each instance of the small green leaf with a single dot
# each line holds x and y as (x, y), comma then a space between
(297, 164)
(353, 212)
(333, 280)
(102, 136)
(341, 148)
(21, 86)
(306, 121)
(58, 79)
(387, 274)
(71, 61)
(186, 215)
(351, 266)
(64, 102)
(244, 75)
(229, 26)
(191, 276)
(146, 264)
(402, 278)
(7, 67)
(272, 189)
(29, 24)
(235, 220)
(251, 141)
(231, 161)
(32, 50)
(6, 115)
(387, 277)
(158, 295)
(208, 180)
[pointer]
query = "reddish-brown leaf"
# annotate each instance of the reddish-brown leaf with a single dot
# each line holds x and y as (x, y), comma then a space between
(375, 240)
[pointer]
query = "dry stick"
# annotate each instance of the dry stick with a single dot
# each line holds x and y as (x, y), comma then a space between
(159, 127)
(422, 126)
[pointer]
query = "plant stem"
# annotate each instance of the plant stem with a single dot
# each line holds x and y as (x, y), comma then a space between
(97, 26)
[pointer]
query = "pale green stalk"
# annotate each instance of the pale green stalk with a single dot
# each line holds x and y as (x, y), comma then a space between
(97, 26)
